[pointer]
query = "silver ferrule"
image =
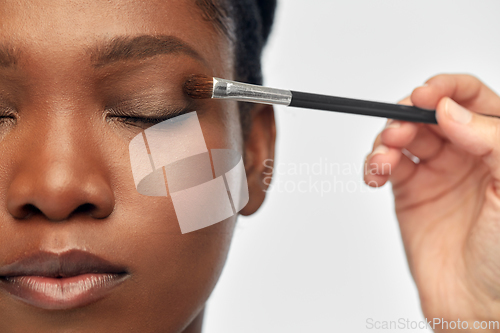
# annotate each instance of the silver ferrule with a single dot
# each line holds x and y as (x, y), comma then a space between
(226, 89)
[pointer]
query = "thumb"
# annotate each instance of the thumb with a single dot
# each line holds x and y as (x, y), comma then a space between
(477, 134)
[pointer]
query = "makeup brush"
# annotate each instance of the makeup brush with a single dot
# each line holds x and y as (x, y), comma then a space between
(205, 87)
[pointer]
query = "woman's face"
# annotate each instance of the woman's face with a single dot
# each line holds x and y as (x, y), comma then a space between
(75, 79)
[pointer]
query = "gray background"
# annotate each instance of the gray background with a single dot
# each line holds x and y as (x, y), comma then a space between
(308, 262)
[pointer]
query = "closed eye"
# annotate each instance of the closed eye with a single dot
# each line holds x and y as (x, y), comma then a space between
(145, 117)
(7, 115)
(145, 120)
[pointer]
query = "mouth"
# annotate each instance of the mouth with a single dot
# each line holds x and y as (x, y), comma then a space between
(61, 281)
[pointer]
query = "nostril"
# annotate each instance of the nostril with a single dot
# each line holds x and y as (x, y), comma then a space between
(93, 198)
(29, 210)
(85, 208)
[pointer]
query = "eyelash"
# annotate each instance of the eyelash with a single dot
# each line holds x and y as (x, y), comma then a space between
(148, 121)
(6, 115)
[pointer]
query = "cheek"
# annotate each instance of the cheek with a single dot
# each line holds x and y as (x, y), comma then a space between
(178, 273)
(173, 274)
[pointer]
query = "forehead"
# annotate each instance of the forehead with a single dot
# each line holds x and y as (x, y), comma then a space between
(61, 31)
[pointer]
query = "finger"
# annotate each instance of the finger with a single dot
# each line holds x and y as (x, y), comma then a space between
(405, 170)
(418, 139)
(379, 165)
(406, 101)
(466, 90)
(395, 166)
(398, 134)
(426, 144)
(376, 180)
(404, 135)
(477, 134)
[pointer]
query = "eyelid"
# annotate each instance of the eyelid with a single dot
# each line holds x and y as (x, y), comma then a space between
(145, 109)
(136, 118)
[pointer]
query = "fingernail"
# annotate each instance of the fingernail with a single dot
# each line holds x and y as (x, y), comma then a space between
(380, 150)
(457, 112)
(393, 124)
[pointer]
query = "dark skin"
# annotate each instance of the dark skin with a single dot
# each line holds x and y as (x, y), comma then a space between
(65, 175)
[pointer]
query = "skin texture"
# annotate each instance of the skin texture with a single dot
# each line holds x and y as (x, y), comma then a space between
(448, 205)
(65, 176)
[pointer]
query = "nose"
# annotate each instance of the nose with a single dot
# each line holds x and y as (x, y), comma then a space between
(59, 173)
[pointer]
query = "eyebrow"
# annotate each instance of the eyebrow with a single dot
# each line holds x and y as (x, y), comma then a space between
(120, 49)
(137, 48)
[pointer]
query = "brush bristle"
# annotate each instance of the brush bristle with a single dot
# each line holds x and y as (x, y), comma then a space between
(199, 86)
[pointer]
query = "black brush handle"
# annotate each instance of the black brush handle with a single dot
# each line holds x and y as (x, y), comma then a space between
(367, 108)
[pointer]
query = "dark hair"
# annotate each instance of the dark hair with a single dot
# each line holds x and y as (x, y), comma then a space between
(248, 24)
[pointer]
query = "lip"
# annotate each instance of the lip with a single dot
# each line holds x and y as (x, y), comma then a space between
(61, 281)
